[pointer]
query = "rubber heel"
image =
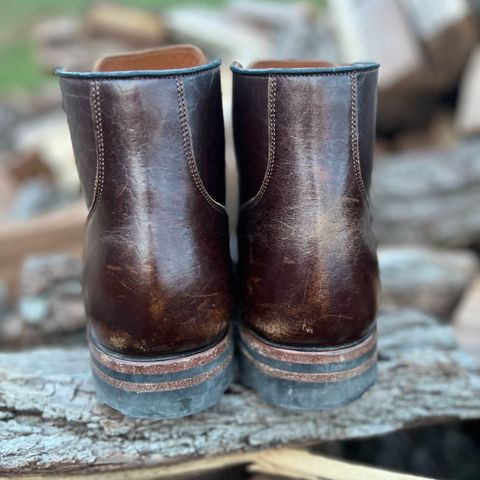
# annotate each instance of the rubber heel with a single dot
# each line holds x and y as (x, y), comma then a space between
(308, 379)
(162, 388)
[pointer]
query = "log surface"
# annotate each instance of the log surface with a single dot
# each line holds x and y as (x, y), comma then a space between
(429, 196)
(51, 422)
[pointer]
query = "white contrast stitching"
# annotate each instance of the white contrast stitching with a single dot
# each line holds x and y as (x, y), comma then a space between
(100, 170)
(188, 148)
(272, 144)
(354, 134)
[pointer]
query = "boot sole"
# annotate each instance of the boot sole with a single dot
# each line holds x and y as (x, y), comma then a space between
(308, 379)
(162, 388)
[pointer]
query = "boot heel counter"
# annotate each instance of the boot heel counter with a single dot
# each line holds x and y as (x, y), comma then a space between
(135, 308)
(306, 251)
(156, 261)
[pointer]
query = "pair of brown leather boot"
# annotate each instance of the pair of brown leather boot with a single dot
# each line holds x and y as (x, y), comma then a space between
(147, 132)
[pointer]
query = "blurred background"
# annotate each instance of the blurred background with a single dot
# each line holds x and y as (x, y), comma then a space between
(426, 188)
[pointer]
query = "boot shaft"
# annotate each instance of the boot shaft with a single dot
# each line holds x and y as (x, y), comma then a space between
(322, 122)
(304, 137)
(147, 132)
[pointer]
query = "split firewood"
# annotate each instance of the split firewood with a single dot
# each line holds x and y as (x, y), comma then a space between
(422, 48)
(300, 464)
(57, 231)
(429, 279)
(50, 307)
(128, 23)
(429, 196)
(272, 15)
(48, 137)
(466, 320)
(467, 121)
(216, 32)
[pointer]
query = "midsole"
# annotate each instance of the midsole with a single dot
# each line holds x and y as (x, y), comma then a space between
(173, 373)
(162, 386)
(328, 365)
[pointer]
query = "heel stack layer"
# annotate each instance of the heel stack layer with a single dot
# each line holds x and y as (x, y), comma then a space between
(307, 379)
(162, 387)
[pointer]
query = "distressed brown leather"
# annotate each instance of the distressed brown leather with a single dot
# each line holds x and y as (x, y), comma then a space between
(304, 146)
(150, 155)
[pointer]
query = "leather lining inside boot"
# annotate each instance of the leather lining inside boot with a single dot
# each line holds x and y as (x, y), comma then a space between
(165, 58)
(292, 64)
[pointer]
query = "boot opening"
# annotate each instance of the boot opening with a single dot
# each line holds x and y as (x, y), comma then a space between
(166, 58)
(292, 64)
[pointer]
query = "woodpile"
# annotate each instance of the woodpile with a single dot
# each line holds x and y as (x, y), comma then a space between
(467, 119)
(422, 47)
(429, 196)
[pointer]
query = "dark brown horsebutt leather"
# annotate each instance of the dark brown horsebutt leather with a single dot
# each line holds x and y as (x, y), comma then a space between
(304, 139)
(147, 133)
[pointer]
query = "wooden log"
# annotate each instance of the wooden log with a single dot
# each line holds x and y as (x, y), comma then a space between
(127, 23)
(216, 32)
(466, 320)
(389, 38)
(57, 231)
(50, 306)
(48, 136)
(288, 463)
(272, 15)
(422, 47)
(8, 190)
(429, 279)
(447, 33)
(467, 119)
(57, 30)
(429, 196)
(271, 464)
(51, 421)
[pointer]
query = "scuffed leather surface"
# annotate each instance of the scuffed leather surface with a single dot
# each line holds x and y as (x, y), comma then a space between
(307, 252)
(204, 101)
(156, 274)
(76, 103)
(250, 129)
(367, 110)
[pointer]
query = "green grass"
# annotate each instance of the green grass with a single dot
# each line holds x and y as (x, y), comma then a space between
(17, 50)
(18, 69)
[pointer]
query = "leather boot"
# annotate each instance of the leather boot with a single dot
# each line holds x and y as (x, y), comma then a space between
(147, 133)
(304, 138)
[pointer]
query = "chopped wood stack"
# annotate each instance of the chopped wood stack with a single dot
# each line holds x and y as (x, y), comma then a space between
(422, 47)
(429, 196)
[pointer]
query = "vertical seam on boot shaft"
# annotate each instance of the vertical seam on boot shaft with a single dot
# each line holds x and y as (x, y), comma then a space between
(188, 148)
(272, 145)
(354, 137)
(354, 134)
(96, 107)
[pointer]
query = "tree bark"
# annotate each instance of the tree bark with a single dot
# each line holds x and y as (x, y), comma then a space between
(51, 422)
